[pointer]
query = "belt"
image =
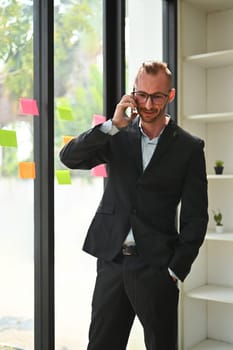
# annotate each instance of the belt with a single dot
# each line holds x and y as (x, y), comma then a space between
(129, 250)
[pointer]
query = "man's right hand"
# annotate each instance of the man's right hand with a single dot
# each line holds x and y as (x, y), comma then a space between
(120, 118)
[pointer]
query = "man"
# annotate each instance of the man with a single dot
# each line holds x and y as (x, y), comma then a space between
(153, 166)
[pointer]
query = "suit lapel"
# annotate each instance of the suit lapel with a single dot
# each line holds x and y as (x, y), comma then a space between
(134, 138)
(165, 141)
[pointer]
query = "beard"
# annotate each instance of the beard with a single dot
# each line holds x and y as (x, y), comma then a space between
(151, 115)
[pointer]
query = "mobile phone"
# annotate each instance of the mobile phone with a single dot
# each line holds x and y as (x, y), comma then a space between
(134, 111)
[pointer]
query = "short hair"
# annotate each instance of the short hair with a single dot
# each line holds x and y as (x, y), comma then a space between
(154, 67)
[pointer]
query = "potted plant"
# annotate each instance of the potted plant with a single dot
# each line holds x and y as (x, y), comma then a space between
(218, 221)
(219, 167)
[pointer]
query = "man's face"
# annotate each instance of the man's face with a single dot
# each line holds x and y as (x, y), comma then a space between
(152, 107)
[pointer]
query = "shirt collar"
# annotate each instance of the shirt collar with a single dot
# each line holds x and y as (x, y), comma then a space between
(146, 138)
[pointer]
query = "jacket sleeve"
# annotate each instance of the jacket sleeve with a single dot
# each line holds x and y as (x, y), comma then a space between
(193, 217)
(89, 149)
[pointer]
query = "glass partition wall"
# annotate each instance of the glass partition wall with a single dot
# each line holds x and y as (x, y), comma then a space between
(78, 92)
(143, 33)
(16, 175)
(78, 97)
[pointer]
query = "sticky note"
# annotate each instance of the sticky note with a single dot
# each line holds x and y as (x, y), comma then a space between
(65, 113)
(8, 138)
(28, 106)
(63, 177)
(99, 170)
(27, 170)
(67, 139)
(98, 119)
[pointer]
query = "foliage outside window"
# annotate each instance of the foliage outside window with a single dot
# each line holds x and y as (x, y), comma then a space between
(78, 71)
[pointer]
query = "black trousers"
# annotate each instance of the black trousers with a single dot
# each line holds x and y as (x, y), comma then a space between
(127, 287)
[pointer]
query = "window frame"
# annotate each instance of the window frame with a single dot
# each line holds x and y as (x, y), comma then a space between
(169, 8)
(44, 182)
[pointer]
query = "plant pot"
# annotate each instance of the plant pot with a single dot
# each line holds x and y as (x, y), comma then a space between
(218, 170)
(219, 228)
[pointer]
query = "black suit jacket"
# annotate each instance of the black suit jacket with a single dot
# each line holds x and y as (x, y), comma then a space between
(146, 200)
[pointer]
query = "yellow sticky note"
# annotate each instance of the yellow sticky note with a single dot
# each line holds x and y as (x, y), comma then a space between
(65, 112)
(63, 177)
(8, 138)
(67, 139)
(27, 170)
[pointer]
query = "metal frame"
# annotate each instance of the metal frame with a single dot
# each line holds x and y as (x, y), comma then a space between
(170, 45)
(114, 54)
(44, 182)
(170, 51)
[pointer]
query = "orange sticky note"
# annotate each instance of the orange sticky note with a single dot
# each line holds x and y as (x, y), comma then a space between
(28, 106)
(27, 170)
(67, 139)
(98, 119)
(99, 170)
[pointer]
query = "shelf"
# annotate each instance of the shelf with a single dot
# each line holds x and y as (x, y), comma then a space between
(211, 344)
(224, 237)
(220, 177)
(212, 293)
(211, 117)
(212, 59)
(211, 5)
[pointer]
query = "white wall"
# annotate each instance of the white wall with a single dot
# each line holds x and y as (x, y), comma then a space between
(143, 34)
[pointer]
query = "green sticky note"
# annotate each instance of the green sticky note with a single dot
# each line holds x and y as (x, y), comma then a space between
(63, 177)
(65, 112)
(8, 138)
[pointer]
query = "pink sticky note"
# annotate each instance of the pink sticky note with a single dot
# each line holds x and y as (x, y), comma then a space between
(99, 170)
(28, 106)
(98, 119)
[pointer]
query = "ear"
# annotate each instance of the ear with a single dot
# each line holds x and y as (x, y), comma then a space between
(172, 95)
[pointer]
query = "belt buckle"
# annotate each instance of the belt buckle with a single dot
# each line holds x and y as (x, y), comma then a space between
(129, 250)
(125, 251)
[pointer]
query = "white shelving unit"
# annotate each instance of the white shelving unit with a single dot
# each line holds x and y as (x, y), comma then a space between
(205, 97)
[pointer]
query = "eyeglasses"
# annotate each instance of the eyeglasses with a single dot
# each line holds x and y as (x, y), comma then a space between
(157, 98)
